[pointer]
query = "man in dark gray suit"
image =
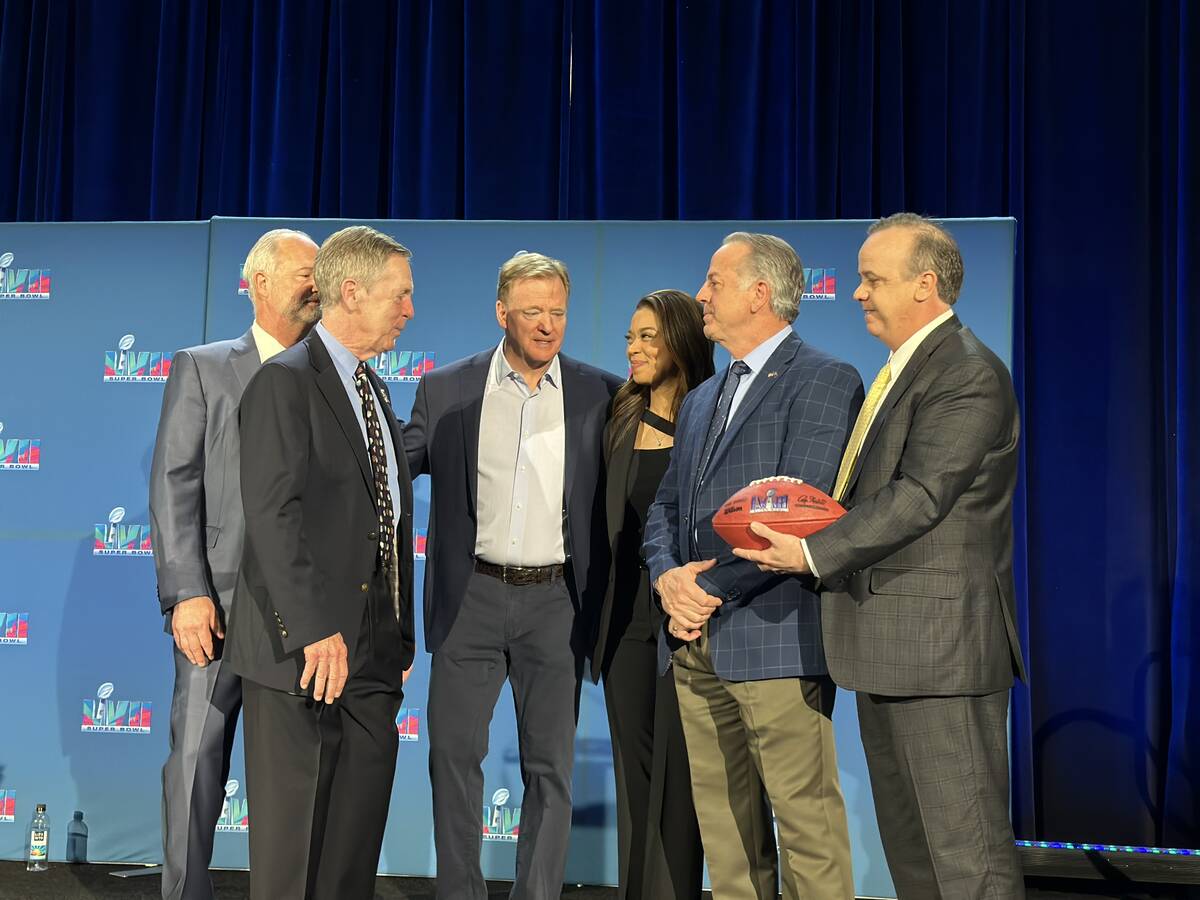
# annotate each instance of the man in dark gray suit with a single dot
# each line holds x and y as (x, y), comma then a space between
(196, 521)
(918, 612)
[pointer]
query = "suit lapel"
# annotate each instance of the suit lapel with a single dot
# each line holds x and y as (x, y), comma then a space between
(915, 364)
(617, 484)
(244, 360)
(763, 382)
(707, 395)
(330, 384)
(574, 412)
(472, 382)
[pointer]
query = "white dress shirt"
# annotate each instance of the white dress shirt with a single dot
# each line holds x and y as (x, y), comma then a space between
(522, 460)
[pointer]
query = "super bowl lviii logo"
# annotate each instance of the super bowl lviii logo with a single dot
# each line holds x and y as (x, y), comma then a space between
(104, 714)
(19, 454)
(408, 723)
(8, 806)
(820, 284)
(18, 283)
(501, 822)
(126, 364)
(771, 501)
(14, 628)
(420, 539)
(402, 365)
(118, 538)
(235, 811)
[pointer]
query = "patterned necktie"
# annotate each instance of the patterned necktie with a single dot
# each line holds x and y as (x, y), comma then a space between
(865, 416)
(387, 528)
(716, 428)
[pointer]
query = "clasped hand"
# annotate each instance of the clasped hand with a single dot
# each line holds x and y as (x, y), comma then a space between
(688, 605)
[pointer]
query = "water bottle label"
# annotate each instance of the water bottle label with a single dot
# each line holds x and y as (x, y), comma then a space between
(39, 842)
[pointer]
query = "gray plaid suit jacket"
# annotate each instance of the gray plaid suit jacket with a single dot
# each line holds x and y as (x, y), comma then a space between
(794, 420)
(918, 596)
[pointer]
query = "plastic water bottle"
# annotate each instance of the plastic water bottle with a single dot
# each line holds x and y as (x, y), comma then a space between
(37, 847)
(77, 834)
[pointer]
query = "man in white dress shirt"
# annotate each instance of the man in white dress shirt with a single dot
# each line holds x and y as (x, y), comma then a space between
(512, 440)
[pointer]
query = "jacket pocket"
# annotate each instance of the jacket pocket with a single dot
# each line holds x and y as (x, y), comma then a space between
(915, 582)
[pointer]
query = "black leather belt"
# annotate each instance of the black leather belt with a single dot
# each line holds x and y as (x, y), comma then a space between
(520, 575)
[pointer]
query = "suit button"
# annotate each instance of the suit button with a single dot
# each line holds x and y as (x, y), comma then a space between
(364, 587)
(283, 632)
(372, 536)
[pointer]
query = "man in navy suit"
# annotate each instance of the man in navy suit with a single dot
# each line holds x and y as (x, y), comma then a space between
(754, 693)
(512, 440)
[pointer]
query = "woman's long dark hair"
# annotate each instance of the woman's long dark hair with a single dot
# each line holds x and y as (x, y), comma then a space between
(681, 326)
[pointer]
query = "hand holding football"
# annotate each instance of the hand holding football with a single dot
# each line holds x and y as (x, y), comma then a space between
(785, 504)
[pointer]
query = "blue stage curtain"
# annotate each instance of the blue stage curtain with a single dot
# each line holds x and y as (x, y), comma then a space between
(1077, 118)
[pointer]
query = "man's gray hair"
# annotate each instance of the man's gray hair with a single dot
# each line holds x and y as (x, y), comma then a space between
(934, 250)
(358, 252)
(774, 261)
(264, 255)
(525, 264)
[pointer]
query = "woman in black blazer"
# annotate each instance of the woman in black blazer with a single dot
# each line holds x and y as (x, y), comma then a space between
(659, 849)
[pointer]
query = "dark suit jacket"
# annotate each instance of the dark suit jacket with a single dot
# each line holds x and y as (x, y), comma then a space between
(616, 480)
(442, 440)
(195, 495)
(311, 523)
(918, 574)
(794, 420)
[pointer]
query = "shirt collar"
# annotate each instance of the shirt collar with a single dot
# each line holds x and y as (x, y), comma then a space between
(900, 357)
(757, 358)
(265, 342)
(502, 370)
(345, 360)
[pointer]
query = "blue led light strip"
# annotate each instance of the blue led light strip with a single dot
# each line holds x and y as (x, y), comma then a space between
(1109, 848)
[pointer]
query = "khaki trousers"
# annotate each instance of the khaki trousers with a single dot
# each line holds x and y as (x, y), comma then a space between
(757, 747)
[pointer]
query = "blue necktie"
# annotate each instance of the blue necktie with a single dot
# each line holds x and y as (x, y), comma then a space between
(716, 428)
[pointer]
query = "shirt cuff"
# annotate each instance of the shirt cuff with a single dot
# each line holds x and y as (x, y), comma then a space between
(808, 558)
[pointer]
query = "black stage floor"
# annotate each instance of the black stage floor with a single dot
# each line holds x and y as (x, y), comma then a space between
(93, 882)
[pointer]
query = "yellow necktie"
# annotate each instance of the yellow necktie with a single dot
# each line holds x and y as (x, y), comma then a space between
(865, 416)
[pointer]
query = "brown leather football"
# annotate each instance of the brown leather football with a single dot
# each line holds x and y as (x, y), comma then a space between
(785, 504)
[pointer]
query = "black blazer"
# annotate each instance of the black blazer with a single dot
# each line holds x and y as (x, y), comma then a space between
(442, 440)
(617, 465)
(311, 524)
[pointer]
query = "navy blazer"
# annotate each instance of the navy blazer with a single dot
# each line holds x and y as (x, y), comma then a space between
(794, 420)
(441, 439)
(312, 526)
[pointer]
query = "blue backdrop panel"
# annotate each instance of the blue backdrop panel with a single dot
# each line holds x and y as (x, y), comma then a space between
(85, 582)
(93, 621)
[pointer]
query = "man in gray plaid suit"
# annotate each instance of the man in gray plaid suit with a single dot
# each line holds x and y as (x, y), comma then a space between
(917, 611)
(754, 694)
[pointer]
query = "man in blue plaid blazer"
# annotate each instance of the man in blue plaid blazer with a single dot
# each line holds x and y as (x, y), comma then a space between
(754, 693)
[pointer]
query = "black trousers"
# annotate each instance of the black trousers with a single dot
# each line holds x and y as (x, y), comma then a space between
(319, 776)
(658, 838)
(524, 634)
